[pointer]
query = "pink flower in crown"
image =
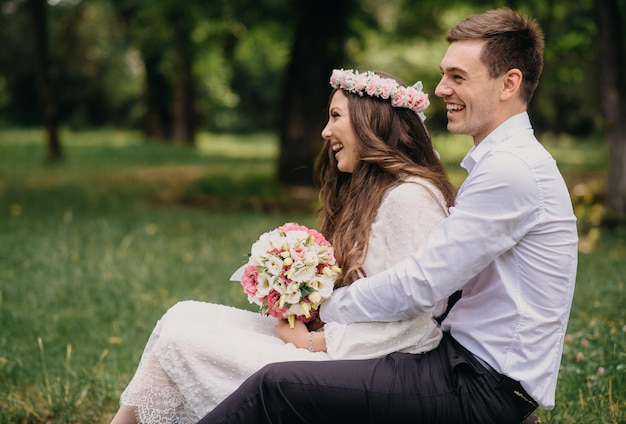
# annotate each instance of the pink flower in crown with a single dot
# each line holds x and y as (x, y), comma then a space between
(400, 98)
(387, 85)
(249, 280)
(373, 85)
(347, 81)
(411, 98)
(419, 102)
(335, 77)
(360, 82)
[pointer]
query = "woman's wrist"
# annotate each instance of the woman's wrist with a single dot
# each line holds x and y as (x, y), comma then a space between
(314, 341)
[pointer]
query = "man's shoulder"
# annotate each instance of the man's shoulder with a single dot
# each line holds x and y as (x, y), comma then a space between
(510, 169)
(520, 148)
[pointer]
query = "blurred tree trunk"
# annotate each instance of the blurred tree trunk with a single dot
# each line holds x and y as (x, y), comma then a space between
(162, 31)
(184, 129)
(157, 121)
(314, 53)
(611, 61)
(37, 12)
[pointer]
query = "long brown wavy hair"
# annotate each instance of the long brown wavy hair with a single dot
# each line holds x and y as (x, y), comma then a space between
(394, 144)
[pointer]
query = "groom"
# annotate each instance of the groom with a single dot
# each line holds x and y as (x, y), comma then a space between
(509, 244)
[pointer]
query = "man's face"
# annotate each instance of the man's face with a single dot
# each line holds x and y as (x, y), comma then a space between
(471, 95)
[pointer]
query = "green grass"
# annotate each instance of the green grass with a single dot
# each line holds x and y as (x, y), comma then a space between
(94, 250)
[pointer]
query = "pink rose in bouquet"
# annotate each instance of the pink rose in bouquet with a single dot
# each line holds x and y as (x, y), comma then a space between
(291, 270)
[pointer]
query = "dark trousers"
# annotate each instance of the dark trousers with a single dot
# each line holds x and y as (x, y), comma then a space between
(447, 385)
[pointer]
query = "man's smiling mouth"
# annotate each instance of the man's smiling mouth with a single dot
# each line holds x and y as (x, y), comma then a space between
(453, 107)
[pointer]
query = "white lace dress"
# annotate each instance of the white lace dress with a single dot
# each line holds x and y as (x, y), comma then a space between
(199, 352)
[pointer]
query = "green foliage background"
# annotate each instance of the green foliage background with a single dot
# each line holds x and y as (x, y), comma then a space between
(240, 50)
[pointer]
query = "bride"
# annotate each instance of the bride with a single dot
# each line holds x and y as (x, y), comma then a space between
(383, 189)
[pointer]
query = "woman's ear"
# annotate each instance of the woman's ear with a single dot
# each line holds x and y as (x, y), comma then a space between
(512, 82)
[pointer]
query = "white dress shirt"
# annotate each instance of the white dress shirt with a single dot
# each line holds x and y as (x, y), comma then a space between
(510, 243)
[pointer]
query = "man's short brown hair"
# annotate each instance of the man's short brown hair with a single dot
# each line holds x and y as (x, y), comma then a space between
(512, 41)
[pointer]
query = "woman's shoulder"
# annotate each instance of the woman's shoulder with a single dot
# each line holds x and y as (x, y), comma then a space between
(414, 189)
(412, 197)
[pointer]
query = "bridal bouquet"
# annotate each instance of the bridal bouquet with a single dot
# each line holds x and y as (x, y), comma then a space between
(290, 271)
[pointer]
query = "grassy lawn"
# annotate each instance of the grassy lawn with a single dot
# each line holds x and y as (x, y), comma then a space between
(94, 250)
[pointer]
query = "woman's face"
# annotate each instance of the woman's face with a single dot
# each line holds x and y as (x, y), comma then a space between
(339, 132)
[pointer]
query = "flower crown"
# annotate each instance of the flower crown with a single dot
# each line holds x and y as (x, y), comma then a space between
(375, 85)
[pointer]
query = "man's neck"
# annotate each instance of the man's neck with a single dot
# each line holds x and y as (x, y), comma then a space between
(506, 112)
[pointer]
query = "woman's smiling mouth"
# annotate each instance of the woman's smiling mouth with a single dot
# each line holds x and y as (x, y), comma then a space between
(336, 147)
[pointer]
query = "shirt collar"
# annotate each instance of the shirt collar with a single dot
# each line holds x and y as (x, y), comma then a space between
(514, 123)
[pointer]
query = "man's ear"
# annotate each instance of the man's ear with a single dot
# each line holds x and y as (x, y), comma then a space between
(511, 83)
